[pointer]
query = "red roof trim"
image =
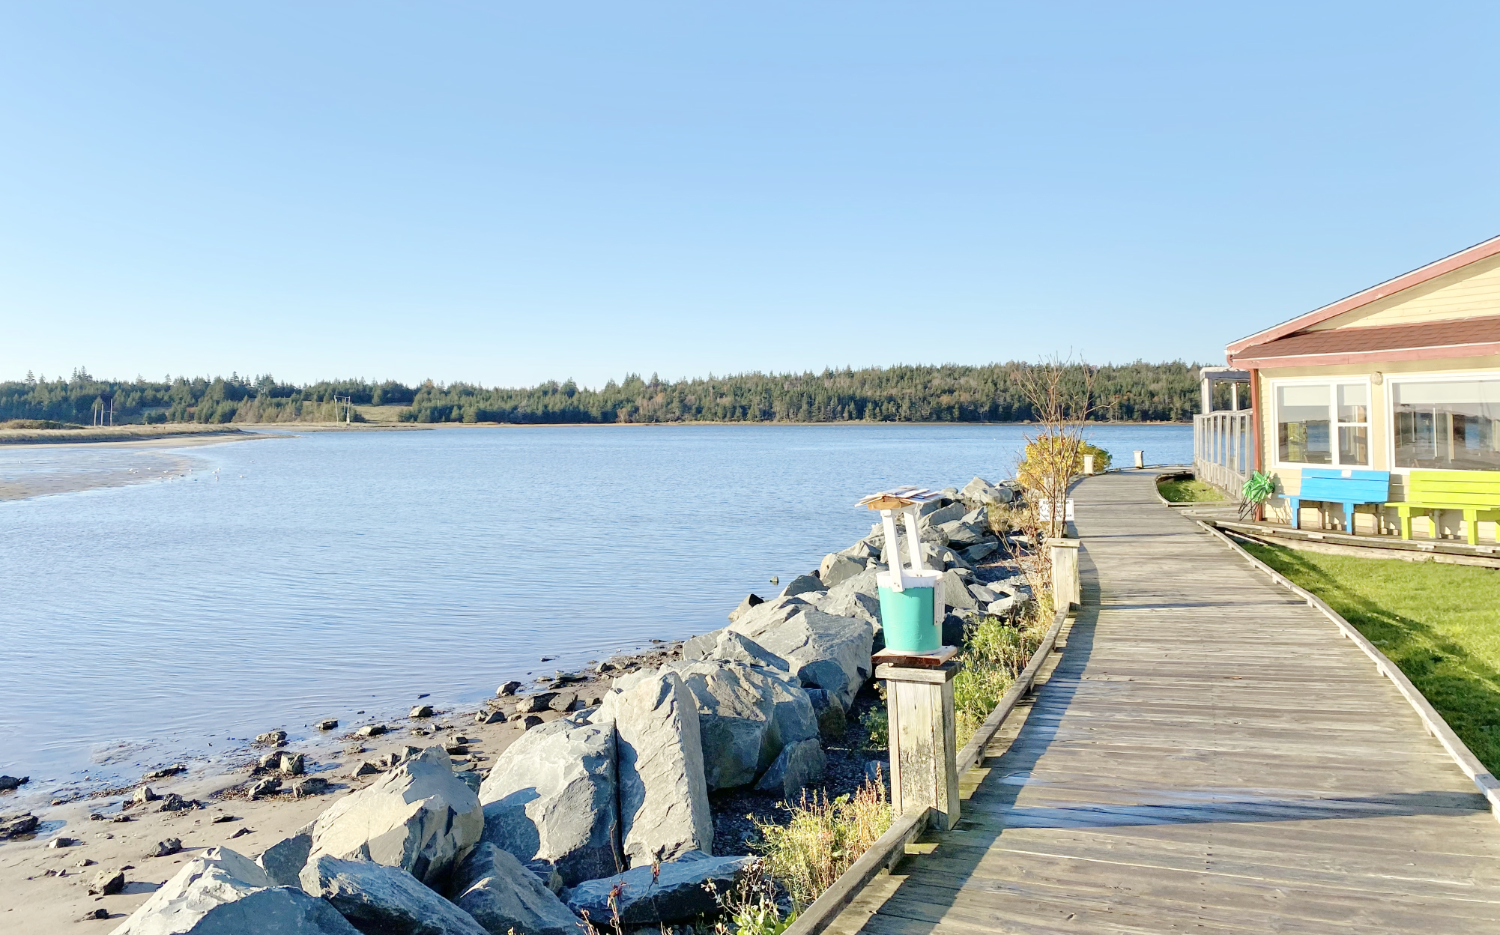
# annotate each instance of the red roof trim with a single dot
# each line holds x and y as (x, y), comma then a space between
(1416, 277)
(1485, 349)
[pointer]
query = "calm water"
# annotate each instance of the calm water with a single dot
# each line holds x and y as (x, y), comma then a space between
(329, 573)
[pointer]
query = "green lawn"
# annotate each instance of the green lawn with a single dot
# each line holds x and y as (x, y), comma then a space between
(1439, 623)
(1188, 491)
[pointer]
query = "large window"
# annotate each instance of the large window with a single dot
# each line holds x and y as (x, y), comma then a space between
(1323, 423)
(1448, 424)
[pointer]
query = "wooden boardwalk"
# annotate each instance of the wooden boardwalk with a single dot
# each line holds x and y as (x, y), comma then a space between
(1207, 754)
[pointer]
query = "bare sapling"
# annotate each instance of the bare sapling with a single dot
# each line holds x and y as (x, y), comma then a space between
(1061, 395)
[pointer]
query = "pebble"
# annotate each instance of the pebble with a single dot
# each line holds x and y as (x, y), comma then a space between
(265, 787)
(8, 783)
(93, 914)
(61, 841)
(241, 833)
(509, 688)
(490, 716)
(312, 785)
(165, 848)
(421, 710)
(531, 721)
(328, 724)
(221, 819)
(371, 730)
(164, 772)
(273, 738)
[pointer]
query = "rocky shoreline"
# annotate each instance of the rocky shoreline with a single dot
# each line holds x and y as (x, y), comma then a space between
(542, 799)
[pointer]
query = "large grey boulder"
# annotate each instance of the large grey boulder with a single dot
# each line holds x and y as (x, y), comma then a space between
(663, 793)
(830, 714)
(798, 765)
(384, 900)
(861, 551)
(551, 799)
(837, 568)
(503, 896)
(746, 714)
(961, 535)
(730, 646)
(941, 515)
(750, 601)
(283, 860)
(221, 892)
(768, 615)
(419, 817)
(825, 651)
(980, 492)
(803, 584)
(854, 604)
(982, 551)
(680, 893)
(956, 592)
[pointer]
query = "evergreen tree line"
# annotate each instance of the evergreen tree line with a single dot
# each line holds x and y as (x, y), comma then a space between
(1138, 392)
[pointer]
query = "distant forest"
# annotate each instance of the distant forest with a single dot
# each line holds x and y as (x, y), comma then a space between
(1138, 392)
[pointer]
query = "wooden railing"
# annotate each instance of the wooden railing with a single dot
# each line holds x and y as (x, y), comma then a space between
(1223, 453)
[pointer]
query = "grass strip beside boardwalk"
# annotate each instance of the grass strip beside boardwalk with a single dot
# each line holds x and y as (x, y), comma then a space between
(1188, 491)
(1438, 623)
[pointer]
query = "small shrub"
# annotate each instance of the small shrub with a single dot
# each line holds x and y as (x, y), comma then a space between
(994, 654)
(751, 908)
(823, 838)
(877, 724)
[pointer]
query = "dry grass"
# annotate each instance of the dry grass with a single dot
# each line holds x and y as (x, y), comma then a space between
(823, 838)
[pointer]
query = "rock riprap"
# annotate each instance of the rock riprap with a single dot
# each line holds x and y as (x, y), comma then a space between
(551, 798)
(746, 714)
(664, 808)
(683, 890)
(419, 817)
(221, 892)
(283, 861)
(384, 900)
(503, 896)
(824, 651)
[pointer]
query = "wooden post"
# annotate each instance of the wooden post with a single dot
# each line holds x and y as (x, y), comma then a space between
(1066, 588)
(924, 748)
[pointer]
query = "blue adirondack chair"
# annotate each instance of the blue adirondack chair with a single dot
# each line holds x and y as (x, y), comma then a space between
(1341, 485)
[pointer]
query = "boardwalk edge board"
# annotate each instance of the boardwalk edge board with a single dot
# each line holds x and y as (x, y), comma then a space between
(891, 846)
(1457, 750)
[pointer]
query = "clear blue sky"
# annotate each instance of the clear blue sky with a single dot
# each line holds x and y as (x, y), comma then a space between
(507, 193)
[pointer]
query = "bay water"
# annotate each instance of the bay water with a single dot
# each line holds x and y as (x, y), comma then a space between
(271, 583)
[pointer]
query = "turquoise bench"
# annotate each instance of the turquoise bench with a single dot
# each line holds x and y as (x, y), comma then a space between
(1341, 485)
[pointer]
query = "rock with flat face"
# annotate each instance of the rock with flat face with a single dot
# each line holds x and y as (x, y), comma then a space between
(982, 551)
(831, 719)
(221, 892)
(750, 601)
(825, 651)
(768, 615)
(956, 594)
(803, 584)
(419, 817)
(503, 896)
(680, 893)
(730, 646)
(551, 799)
(746, 714)
(798, 765)
(663, 793)
(837, 568)
(283, 860)
(385, 900)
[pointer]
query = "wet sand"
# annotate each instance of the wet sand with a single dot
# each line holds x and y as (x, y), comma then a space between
(23, 483)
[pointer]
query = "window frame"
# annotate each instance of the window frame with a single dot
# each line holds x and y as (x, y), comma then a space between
(1445, 376)
(1333, 383)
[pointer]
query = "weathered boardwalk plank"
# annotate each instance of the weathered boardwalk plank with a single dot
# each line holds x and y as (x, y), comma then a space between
(1206, 755)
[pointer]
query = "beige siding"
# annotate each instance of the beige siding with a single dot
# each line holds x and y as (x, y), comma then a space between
(1470, 292)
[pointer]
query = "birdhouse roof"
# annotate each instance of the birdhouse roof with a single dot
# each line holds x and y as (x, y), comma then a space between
(898, 497)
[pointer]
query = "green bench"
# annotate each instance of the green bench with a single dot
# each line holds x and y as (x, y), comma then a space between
(1472, 492)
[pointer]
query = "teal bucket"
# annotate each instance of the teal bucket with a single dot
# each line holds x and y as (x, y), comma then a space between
(906, 620)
